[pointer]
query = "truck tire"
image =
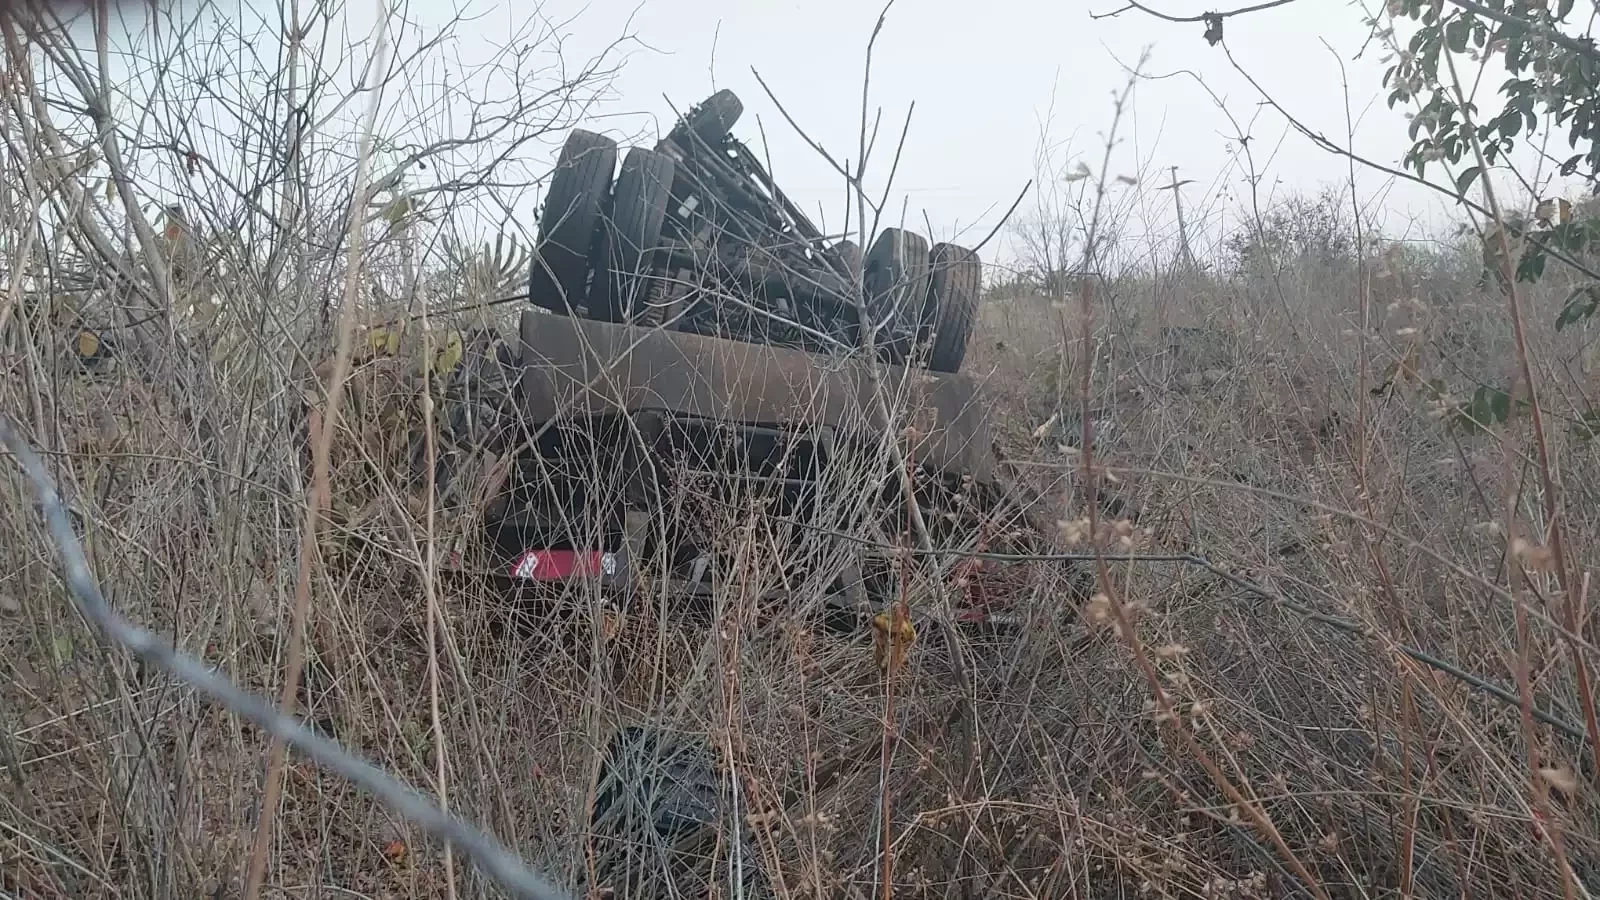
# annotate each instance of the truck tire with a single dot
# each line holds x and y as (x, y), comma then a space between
(848, 255)
(660, 787)
(570, 220)
(896, 280)
(954, 288)
(632, 239)
(714, 118)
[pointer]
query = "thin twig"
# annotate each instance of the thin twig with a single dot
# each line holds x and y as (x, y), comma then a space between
(1544, 822)
(430, 566)
(319, 495)
(1226, 14)
(1005, 218)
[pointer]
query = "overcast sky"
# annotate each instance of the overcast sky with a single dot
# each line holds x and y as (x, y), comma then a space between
(992, 81)
(984, 77)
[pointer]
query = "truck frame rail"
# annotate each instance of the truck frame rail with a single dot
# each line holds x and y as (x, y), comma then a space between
(574, 367)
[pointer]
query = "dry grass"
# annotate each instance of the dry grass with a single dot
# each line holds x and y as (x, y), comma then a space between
(1311, 760)
(1048, 778)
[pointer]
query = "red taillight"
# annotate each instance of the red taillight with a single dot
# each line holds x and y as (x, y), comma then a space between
(559, 565)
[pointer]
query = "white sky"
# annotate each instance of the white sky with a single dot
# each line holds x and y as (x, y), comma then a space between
(984, 75)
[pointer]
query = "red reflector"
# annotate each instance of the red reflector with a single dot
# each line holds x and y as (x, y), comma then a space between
(556, 565)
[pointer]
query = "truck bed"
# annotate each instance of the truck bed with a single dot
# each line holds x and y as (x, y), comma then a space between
(581, 367)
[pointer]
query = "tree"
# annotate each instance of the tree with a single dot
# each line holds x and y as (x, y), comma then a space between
(1552, 72)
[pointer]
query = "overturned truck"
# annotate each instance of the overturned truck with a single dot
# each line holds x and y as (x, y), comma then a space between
(696, 399)
(699, 433)
(674, 462)
(686, 420)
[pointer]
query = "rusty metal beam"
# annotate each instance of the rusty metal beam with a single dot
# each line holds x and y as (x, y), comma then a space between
(578, 367)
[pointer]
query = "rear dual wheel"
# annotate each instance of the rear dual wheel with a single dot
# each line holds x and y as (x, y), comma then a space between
(895, 279)
(932, 294)
(587, 226)
(569, 222)
(631, 241)
(954, 288)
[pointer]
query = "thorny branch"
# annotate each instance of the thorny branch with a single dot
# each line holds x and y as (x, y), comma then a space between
(497, 861)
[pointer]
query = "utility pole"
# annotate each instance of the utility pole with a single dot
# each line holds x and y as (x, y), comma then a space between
(1185, 259)
(1177, 202)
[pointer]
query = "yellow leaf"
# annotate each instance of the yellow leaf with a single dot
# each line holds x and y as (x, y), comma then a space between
(384, 340)
(892, 637)
(446, 358)
(88, 343)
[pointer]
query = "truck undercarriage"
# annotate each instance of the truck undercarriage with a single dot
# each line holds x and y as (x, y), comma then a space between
(687, 460)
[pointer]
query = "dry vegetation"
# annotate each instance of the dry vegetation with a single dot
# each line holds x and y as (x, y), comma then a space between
(1294, 749)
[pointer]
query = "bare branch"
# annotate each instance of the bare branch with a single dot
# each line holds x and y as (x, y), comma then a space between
(1005, 218)
(1203, 17)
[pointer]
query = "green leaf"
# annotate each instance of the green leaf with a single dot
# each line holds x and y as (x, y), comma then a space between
(1531, 268)
(62, 647)
(1489, 406)
(1465, 179)
(1587, 427)
(1581, 304)
(1499, 405)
